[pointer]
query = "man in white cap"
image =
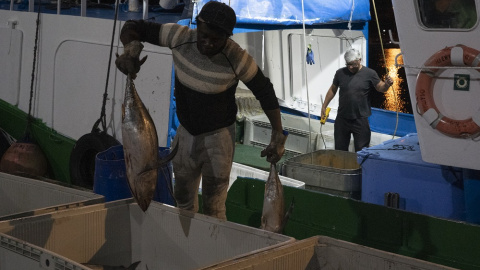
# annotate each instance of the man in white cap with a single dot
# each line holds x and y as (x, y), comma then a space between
(355, 82)
(208, 67)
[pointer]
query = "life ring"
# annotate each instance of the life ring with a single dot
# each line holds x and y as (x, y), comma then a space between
(82, 157)
(466, 128)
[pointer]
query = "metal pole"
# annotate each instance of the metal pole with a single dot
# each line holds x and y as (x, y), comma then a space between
(145, 9)
(83, 8)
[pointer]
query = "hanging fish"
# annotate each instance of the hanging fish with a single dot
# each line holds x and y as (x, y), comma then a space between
(140, 146)
(273, 214)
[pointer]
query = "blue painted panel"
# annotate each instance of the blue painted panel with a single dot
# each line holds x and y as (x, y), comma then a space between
(396, 166)
(383, 121)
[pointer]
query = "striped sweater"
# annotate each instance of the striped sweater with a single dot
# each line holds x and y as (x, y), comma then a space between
(205, 87)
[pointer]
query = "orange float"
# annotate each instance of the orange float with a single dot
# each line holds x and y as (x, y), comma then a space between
(465, 128)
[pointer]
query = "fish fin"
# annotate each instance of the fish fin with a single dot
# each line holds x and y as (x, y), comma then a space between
(133, 266)
(161, 162)
(290, 209)
(143, 60)
(287, 214)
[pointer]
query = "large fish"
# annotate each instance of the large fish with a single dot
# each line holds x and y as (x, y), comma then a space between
(273, 214)
(140, 146)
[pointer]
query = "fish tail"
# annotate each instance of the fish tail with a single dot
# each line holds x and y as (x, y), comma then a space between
(170, 156)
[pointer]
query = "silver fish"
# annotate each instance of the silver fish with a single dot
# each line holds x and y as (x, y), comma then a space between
(273, 214)
(140, 146)
(133, 266)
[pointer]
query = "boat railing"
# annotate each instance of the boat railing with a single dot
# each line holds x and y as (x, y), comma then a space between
(83, 6)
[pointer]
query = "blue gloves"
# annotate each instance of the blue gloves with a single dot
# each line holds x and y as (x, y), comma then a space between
(310, 57)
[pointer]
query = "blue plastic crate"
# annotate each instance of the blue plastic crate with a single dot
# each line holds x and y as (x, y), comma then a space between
(395, 169)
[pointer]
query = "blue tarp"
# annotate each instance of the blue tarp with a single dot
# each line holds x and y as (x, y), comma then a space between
(289, 12)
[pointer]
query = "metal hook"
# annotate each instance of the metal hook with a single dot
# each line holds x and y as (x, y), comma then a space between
(391, 37)
(396, 62)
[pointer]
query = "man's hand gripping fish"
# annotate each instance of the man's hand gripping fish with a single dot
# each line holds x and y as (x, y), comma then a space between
(140, 145)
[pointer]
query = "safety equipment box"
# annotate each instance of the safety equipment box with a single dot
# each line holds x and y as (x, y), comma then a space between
(394, 174)
(119, 233)
(22, 196)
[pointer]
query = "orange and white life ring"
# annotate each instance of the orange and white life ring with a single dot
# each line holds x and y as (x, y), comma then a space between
(450, 56)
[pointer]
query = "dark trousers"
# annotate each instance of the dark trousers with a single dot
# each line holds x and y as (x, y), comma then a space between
(360, 128)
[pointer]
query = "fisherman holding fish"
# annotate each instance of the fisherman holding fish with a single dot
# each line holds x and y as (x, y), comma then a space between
(208, 66)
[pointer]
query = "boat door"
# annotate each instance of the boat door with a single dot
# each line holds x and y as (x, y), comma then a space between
(441, 50)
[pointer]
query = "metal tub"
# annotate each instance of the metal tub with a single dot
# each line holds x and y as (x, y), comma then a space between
(330, 171)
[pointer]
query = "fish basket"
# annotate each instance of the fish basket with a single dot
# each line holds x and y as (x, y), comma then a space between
(322, 252)
(22, 196)
(120, 233)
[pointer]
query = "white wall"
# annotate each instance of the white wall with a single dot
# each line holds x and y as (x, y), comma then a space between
(282, 56)
(71, 72)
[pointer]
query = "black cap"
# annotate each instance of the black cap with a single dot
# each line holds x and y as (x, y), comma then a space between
(219, 15)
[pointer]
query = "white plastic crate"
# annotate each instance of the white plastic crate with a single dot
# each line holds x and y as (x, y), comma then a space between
(120, 233)
(258, 131)
(21, 196)
(17, 254)
(240, 170)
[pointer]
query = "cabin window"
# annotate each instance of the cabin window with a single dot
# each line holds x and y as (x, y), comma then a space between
(448, 14)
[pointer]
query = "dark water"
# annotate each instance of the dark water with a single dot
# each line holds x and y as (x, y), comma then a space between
(398, 97)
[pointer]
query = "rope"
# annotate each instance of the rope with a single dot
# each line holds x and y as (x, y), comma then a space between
(306, 85)
(29, 116)
(105, 94)
(386, 69)
(351, 16)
